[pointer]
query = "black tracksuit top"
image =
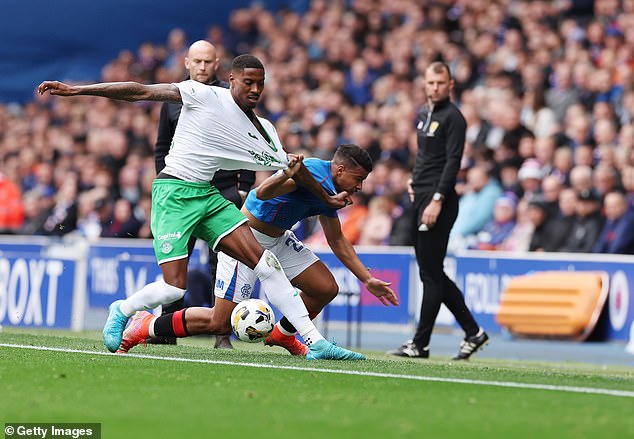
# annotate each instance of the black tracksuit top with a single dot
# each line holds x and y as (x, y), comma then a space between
(441, 136)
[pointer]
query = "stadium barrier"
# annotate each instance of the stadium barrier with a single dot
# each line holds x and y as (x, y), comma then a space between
(68, 283)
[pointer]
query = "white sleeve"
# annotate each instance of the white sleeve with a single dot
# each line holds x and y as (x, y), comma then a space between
(193, 93)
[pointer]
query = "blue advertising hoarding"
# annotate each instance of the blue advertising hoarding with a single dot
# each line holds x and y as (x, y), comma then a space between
(116, 271)
(483, 276)
(389, 266)
(36, 289)
(117, 268)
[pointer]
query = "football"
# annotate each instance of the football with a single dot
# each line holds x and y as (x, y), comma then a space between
(252, 320)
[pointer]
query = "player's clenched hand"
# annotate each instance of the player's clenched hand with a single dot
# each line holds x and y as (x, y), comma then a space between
(382, 291)
(340, 200)
(294, 163)
(56, 88)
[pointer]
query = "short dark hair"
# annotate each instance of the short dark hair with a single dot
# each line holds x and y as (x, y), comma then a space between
(353, 156)
(439, 67)
(246, 61)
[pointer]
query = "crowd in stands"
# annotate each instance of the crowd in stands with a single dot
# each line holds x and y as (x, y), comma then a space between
(546, 88)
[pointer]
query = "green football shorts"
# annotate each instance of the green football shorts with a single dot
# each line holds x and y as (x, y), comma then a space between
(181, 209)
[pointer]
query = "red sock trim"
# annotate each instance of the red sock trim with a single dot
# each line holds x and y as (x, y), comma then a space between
(178, 323)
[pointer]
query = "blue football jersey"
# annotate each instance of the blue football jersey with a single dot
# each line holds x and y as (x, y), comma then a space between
(286, 210)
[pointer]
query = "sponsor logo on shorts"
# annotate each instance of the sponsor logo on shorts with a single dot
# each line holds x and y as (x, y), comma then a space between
(220, 284)
(166, 247)
(245, 291)
(169, 236)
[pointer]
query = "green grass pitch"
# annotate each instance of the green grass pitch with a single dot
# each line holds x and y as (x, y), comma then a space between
(194, 391)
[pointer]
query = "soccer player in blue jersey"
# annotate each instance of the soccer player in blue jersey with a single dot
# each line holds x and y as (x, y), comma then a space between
(272, 209)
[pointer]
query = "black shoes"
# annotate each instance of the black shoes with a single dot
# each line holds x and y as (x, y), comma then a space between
(223, 342)
(409, 349)
(471, 345)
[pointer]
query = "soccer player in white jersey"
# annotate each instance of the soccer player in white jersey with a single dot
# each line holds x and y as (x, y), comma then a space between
(217, 129)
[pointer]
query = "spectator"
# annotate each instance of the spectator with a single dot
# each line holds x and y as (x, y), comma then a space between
(11, 206)
(519, 239)
(562, 94)
(562, 164)
(378, 224)
(587, 224)
(551, 189)
(123, 223)
(62, 218)
(560, 224)
(475, 207)
(500, 227)
(537, 213)
(530, 177)
(617, 235)
(605, 179)
(581, 178)
(536, 115)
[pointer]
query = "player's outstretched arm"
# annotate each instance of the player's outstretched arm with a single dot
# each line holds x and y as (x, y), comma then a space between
(345, 252)
(124, 91)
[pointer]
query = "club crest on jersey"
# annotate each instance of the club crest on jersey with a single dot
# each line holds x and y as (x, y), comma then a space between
(432, 128)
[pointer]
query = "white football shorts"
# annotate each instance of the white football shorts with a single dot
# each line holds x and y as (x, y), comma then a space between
(235, 281)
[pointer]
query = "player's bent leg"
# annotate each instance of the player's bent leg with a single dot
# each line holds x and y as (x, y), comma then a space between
(318, 287)
(284, 297)
(281, 293)
(149, 297)
(195, 321)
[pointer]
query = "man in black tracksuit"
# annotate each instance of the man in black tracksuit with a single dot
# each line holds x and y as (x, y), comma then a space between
(441, 136)
(202, 64)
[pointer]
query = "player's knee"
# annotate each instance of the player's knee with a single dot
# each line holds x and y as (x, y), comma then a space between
(267, 265)
(331, 292)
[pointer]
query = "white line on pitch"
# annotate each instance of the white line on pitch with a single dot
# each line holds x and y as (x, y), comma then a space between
(589, 390)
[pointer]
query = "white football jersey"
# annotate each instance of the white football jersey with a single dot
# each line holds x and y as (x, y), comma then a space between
(214, 133)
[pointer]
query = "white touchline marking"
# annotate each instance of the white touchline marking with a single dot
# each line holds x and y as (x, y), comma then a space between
(572, 389)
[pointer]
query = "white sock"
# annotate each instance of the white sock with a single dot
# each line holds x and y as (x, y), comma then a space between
(150, 296)
(284, 297)
(151, 332)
